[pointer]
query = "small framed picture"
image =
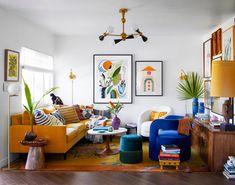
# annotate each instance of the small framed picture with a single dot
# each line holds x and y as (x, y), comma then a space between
(228, 44)
(12, 60)
(207, 59)
(149, 78)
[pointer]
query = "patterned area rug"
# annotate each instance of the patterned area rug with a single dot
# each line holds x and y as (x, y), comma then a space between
(82, 157)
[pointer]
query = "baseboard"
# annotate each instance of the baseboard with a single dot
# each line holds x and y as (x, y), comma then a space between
(3, 162)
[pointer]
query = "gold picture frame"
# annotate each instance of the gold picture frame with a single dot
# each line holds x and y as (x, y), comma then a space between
(12, 63)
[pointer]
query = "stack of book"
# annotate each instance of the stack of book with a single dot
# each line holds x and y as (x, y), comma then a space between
(229, 168)
(169, 156)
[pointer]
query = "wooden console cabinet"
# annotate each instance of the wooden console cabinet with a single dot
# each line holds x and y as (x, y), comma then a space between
(213, 145)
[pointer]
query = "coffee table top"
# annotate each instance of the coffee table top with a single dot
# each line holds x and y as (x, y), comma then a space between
(114, 132)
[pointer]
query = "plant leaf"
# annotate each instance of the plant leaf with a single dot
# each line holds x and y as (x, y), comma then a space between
(46, 93)
(116, 72)
(109, 89)
(28, 97)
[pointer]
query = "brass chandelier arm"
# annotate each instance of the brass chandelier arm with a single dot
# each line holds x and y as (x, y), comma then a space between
(115, 35)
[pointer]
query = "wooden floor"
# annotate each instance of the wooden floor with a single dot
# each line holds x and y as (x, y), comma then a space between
(111, 178)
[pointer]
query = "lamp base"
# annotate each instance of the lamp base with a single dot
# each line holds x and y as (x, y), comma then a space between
(227, 127)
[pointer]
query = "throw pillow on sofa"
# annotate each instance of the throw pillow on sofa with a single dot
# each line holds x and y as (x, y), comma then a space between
(43, 119)
(105, 113)
(87, 111)
(79, 112)
(58, 115)
(70, 114)
(155, 115)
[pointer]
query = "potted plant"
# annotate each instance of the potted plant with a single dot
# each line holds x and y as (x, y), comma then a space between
(31, 107)
(115, 109)
(191, 87)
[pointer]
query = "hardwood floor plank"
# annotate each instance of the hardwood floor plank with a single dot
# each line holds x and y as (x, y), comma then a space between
(111, 178)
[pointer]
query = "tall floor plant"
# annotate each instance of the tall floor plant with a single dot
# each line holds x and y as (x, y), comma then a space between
(31, 107)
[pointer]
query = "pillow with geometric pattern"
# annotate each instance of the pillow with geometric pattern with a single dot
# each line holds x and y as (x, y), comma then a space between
(43, 119)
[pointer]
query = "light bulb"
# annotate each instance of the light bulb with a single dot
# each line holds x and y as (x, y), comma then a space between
(110, 29)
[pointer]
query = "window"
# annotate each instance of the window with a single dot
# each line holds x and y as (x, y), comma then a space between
(37, 70)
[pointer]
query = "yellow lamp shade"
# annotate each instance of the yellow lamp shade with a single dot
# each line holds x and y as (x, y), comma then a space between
(223, 79)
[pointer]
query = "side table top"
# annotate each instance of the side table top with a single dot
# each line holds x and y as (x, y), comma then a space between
(114, 132)
(34, 143)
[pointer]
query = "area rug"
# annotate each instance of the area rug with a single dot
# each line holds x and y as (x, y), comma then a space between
(82, 157)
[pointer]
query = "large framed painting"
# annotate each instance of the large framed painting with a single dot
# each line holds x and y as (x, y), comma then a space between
(207, 59)
(112, 75)
(149, 78)
(207, 94)
(228, 44)
(12, 60)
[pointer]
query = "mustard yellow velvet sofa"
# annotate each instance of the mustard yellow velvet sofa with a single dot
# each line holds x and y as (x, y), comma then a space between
(60, 138)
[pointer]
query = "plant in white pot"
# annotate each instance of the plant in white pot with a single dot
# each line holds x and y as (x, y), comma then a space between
(191, 87)
(31, 107)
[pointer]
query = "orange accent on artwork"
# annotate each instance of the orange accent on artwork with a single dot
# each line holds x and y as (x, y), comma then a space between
(149, 68)
(107, 64)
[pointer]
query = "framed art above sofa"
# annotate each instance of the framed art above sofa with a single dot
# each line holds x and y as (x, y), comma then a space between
(112, 78)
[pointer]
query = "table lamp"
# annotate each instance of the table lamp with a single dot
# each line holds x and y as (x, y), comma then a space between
(223, 85)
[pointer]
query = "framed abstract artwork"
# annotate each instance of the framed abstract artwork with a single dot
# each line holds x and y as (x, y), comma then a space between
(12, 60)
(228, 44)
(207, 94)
(207, 59)
(149, 78)
(112, 78)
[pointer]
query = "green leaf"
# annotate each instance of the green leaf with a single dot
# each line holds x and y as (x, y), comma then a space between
(116, 79)
(116, 72)
(46, 93)
(28, 96)
(191, 87)
(109, 89)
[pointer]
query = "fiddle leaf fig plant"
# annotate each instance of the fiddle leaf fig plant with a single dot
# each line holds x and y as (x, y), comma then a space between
(191, 86)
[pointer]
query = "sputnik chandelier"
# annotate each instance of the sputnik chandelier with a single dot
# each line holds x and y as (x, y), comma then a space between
(123, 35)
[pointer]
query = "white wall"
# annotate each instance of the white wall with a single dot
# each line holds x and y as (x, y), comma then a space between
(176, 51)
(15, 33)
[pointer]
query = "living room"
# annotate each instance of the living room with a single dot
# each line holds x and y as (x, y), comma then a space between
(69, 33)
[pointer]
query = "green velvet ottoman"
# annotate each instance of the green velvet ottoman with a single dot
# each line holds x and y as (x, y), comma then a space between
(131, 149)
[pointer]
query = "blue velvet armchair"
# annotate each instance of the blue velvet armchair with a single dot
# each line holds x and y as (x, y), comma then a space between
(164, 131)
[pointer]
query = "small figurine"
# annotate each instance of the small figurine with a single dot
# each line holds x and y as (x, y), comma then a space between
(56, 99)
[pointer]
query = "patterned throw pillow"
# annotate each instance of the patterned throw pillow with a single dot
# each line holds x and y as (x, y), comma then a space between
(79, 112)
(87, 111)
(155, 115)
(70, 114)
(59, 116)
(105, 113)
(43, 119)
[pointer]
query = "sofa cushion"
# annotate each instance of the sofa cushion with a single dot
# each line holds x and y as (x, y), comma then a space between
(105, 113)
(169, 134)
(69, 113)
(25, 118)
(87, 111)
(79, 112)
(155, 115)
(145, 128)
(48, 110)
(73, 129)
(58, 115)
(43, 119)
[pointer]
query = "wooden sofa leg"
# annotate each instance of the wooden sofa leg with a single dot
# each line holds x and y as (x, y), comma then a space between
(65, 156)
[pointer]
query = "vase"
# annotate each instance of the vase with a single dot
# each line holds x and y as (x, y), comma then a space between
(116, 122)
(195, 106)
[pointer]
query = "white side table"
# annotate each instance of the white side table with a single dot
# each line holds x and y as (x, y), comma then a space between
(107, 150)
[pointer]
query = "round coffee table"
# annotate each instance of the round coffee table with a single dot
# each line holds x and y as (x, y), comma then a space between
(107, 150)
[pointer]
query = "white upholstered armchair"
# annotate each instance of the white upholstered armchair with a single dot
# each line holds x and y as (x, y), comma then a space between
(143, 124)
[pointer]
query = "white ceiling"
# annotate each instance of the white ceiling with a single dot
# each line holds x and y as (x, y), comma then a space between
(154, 17)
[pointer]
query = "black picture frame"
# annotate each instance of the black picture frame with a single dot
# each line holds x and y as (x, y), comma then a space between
(140, 86)
(128, 58)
